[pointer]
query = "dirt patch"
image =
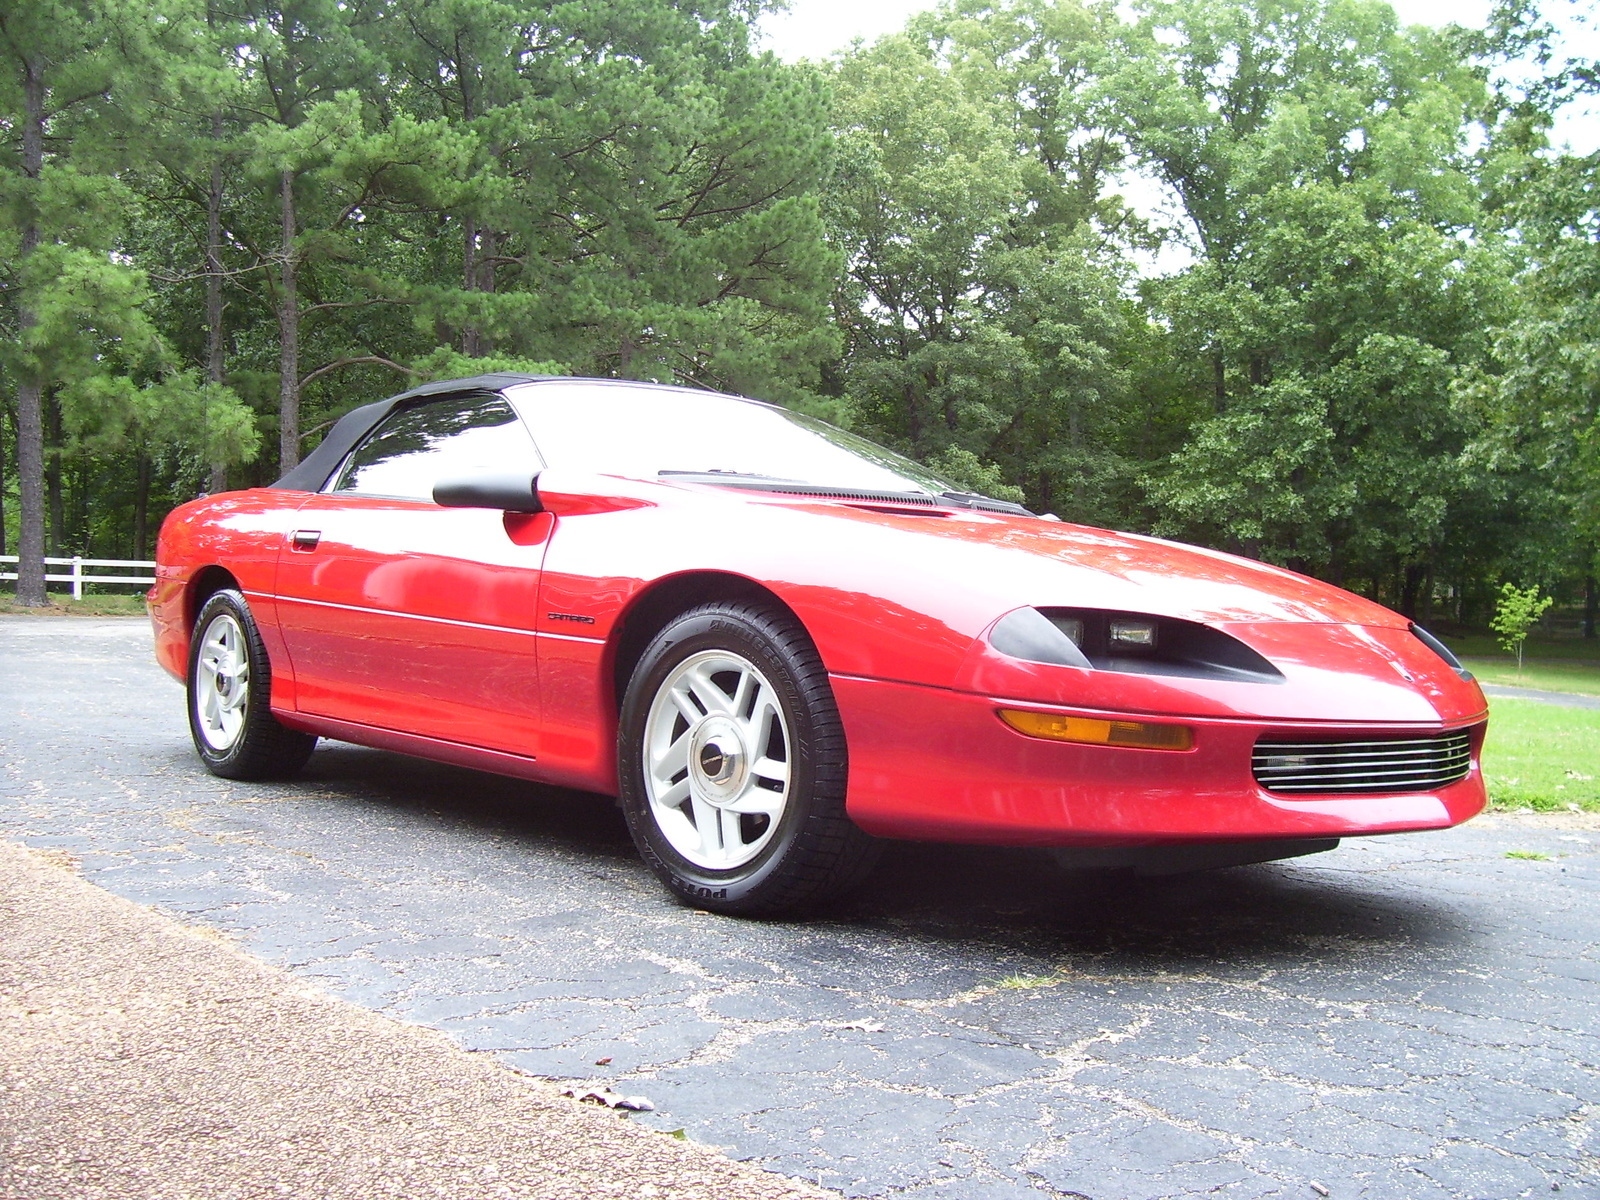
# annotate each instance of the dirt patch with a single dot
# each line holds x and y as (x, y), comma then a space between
(1541, 820)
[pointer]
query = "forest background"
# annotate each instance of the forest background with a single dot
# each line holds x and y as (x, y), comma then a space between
(225, 223)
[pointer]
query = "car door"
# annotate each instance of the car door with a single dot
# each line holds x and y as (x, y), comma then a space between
(400, 614)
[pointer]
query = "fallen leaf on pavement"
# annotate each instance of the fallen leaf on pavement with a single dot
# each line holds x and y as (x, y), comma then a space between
(609, 1098)
(864, 1025)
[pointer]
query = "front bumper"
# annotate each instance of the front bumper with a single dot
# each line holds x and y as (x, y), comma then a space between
(939, 765)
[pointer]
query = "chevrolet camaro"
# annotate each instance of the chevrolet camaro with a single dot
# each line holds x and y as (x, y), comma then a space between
(776, 643)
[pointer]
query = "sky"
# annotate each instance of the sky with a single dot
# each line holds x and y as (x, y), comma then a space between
(816, 28)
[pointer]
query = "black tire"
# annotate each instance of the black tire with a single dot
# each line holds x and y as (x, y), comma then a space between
(809, 851)
(234, 731)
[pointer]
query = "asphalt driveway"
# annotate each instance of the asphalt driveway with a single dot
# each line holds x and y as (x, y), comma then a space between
(1403, 1017)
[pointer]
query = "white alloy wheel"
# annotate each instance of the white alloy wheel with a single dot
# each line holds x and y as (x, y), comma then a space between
(222, 683)
(716, 760)
(732, 765)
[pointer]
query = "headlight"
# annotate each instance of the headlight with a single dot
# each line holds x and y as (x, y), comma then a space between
(1132, 642)
(1137, 636)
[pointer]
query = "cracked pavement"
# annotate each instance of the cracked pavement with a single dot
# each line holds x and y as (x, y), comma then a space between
(1408, 1016)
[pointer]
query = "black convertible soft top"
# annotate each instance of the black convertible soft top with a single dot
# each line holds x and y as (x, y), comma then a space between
(316, 467)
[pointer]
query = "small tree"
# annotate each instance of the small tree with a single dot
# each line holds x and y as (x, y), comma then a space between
(1515, 613)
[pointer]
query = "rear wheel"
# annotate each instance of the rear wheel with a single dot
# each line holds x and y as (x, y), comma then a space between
(733, 765)
(230, 680)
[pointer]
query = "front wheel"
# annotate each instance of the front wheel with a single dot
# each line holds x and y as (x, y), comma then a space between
(229, 682)
(732, 763)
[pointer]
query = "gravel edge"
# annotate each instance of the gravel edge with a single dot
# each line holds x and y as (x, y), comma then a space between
(144, 1060)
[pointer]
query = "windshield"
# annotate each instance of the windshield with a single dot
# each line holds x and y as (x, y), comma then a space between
(644, 431)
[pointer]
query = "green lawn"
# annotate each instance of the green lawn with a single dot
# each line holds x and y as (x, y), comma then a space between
(1542, 756)
(1565, 665)
(1484, 645)
(1550, 675)
(112, 604)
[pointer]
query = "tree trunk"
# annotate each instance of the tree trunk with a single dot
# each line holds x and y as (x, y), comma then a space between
(30, 415)
(30, 484)
(908, 393)
(78, 493)
(469, 249)
(477, 275)
(288, 335)
(1411, 588)
(215, 345)
(2, 483)
(52, 475)
(488, 247)
(469, 281)
(141, 507)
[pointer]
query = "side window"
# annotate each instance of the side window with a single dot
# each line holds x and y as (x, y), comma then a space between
(416, 447)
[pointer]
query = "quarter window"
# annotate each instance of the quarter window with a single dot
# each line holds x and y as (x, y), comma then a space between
(416, 447)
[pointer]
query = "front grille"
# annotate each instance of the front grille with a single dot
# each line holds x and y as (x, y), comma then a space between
(1358, 768)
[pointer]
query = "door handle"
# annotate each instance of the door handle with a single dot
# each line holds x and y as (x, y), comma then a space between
(305, 539)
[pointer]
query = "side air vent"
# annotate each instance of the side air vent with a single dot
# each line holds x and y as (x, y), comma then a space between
(1363, 767)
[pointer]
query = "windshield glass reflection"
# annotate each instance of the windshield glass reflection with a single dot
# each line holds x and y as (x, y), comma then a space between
(645, 431)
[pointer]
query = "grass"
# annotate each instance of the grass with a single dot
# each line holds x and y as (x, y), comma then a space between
(1541, 756)
(1546, 674)
(1484, 645)
(1552, 665)
(110, 604)
(1530, 855)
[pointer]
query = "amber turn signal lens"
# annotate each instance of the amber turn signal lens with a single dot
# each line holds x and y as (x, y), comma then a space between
(1138, 734)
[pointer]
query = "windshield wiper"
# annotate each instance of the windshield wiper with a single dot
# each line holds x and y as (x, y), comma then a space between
(972, 500)
(984, 503)
(798, 487)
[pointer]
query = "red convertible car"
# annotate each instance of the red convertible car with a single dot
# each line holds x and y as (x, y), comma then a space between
(777, 642)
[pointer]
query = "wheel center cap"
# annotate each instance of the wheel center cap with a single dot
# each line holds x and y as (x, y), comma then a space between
(718, 760)
(224, 684)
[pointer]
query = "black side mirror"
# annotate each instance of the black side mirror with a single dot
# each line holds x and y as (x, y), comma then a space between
(507, 492)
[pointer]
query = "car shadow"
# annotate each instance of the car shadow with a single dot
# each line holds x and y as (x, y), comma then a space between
(581, 822)
(995, 897)
(1312, 906)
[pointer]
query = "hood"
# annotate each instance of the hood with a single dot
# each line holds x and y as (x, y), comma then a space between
(1046, 563)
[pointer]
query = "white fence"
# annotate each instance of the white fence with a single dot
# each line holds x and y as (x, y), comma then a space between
(77, 578)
